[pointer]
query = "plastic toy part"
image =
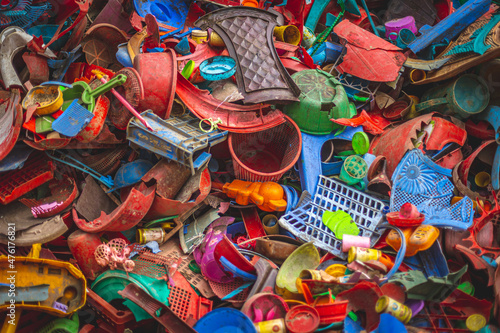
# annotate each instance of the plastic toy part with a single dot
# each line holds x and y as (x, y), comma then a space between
(67, 284)
(417, 239)
(306, 223)
(176, 138)
(267, 196)
(113, 253)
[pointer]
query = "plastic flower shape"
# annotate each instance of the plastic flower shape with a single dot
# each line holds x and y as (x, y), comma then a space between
(434, 212)
(416, 177)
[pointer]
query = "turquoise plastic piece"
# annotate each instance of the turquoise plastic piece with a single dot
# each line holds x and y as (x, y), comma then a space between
(109, 283)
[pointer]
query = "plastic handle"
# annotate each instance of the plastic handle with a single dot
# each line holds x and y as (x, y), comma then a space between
(428, 104)
(118, 80)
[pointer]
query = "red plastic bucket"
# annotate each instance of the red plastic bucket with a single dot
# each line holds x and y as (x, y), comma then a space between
(265, 156)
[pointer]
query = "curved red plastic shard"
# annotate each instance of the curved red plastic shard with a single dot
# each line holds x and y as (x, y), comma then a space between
(467, 304)
(227, 250)
(482, 130)
(202, 53)
(235, 118)
(464, 167)
(445, 132)
(293, 66)
(168, 207)
(63, 192)
(125, 216)
(48, 144)
(10, 122)
(478, 263)
(363, 296)
(368, 56)
(158, 72)
(371, 124)
(395, 142)
(479, 223)
(94, 128)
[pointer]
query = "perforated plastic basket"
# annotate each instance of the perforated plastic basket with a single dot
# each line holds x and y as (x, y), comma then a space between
(265, 156)
(305, 222)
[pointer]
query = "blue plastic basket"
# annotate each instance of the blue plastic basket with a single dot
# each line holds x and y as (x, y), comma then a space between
(306, 223)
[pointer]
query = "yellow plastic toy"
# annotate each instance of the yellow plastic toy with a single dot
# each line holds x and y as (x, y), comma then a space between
(417, 238)
(268, 196)
(66, 284)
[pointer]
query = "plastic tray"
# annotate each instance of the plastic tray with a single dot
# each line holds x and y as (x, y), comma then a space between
(305, 222)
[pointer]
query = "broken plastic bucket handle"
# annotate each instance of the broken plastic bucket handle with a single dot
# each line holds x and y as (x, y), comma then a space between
(466, 96)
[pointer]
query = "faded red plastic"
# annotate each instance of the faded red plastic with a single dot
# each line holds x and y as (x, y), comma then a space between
(10, 122)
(94, 128)
(371, 123)
(125, 216)
(227, 250)
(162, 207)
(82, 246)
(235, 118)
(63, 192)
(368, 57)
(37, 170)
(363, 297)
(395, 142)
(158, 72)
(37, 67)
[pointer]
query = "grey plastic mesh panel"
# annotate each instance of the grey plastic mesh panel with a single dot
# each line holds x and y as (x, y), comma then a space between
(306, 223)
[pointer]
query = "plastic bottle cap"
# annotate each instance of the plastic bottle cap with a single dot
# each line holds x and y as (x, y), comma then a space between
(475, 322)
(193, 266)
(360, 143)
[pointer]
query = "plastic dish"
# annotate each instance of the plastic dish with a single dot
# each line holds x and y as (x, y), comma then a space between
(218, 68)
(225, 320)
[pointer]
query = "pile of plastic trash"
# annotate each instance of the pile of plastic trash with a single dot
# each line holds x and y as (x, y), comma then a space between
(214, 166)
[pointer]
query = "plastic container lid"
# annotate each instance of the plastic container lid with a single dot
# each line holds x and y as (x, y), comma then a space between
(225, 320)
(360, 143)
(475, 322)
(218, 68)
(302, 319)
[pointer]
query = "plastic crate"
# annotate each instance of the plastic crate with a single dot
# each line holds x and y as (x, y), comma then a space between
(14, 184)
(176, 138)
(306, 223)
(114, 321)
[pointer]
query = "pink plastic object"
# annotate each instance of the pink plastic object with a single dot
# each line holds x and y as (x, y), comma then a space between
(114, 253)
(393, 27)
(265, 306)
(128, 106)
(204, 254)
(408, 211)
(349, 241)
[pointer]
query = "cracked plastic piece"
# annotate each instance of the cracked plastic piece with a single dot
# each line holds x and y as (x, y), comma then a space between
(192, 234)
(248, 35)
(432, 289)
(67, 284)
(44, 232)
(158, 72)
(431, 261)
(368, 57)
(452, 25)
(306, 223)
(10, 121)
(159, 311)
(13, 40)
(133, 208)
(14, 184)
(176, 138)
(421, 182)
(234, 118)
